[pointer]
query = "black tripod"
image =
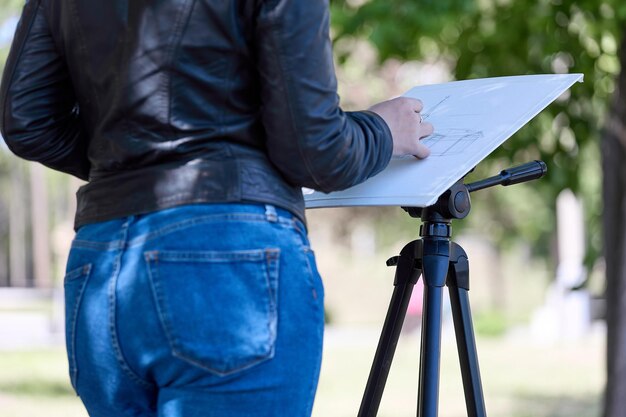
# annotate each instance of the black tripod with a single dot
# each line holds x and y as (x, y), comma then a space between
(440, 262)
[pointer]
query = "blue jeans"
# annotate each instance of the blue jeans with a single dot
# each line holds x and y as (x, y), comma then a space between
(211, 310)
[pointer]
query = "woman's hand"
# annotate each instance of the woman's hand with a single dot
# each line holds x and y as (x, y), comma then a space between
(403, 117)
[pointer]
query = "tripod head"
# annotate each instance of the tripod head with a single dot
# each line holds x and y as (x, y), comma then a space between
(455, 203)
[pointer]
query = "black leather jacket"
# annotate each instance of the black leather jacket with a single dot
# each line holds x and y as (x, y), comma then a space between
(162, 103)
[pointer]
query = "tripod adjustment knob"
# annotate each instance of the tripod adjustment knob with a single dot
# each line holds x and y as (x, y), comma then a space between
(459, 201)
(462, 202)
(436, 229)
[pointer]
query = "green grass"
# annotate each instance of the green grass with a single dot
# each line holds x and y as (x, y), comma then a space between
(35, 383)
(519, 378)
(490, 324)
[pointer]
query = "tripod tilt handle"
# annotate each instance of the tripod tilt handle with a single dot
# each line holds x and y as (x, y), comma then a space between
(526, 172)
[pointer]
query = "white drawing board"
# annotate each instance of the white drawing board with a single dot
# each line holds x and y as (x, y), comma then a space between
(471, 119)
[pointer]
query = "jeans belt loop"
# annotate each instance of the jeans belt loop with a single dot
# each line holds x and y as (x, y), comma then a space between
(270, 213)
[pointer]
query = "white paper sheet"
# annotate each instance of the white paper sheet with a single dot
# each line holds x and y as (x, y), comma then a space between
(471, 119)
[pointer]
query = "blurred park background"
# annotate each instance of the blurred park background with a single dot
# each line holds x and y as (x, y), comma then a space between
(548, 285)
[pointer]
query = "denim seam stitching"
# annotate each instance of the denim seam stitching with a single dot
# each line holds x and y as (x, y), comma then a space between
(194, 222)
(312, 277)
(79, 272)
(252, 255)
(273, 259)
(90, 244)
(113, 316)
(232, 371)
(111, 245)
(152, 257)
(313, 384)
(200, 220)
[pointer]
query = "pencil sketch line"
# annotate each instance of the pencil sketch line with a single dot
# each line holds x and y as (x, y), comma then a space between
(426, 115)
(451, 142)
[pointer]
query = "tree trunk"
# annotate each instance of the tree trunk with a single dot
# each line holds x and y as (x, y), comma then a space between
(614, 197)
(17, 227)
(39, 225)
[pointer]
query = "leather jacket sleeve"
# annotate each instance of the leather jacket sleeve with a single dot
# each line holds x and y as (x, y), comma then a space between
(309, 138)
(40, 119)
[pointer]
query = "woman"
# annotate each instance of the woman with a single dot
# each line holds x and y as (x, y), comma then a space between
(191, 288)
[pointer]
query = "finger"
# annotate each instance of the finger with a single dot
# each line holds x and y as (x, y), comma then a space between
(425, 129)
(417, 105)
(410, 104)
(421, 151)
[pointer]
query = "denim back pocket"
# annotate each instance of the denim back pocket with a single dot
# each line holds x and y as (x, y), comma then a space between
(74, 285)
(218, 309)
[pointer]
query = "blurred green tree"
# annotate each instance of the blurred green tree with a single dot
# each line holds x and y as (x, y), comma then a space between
(13, 262)
(504, 37)
(28, 218)
(485, 38)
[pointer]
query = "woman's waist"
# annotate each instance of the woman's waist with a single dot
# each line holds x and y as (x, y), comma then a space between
(141, 191)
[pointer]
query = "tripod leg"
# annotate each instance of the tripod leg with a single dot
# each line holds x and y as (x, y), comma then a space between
(435, 260)
(407, 274)
(458, 284)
